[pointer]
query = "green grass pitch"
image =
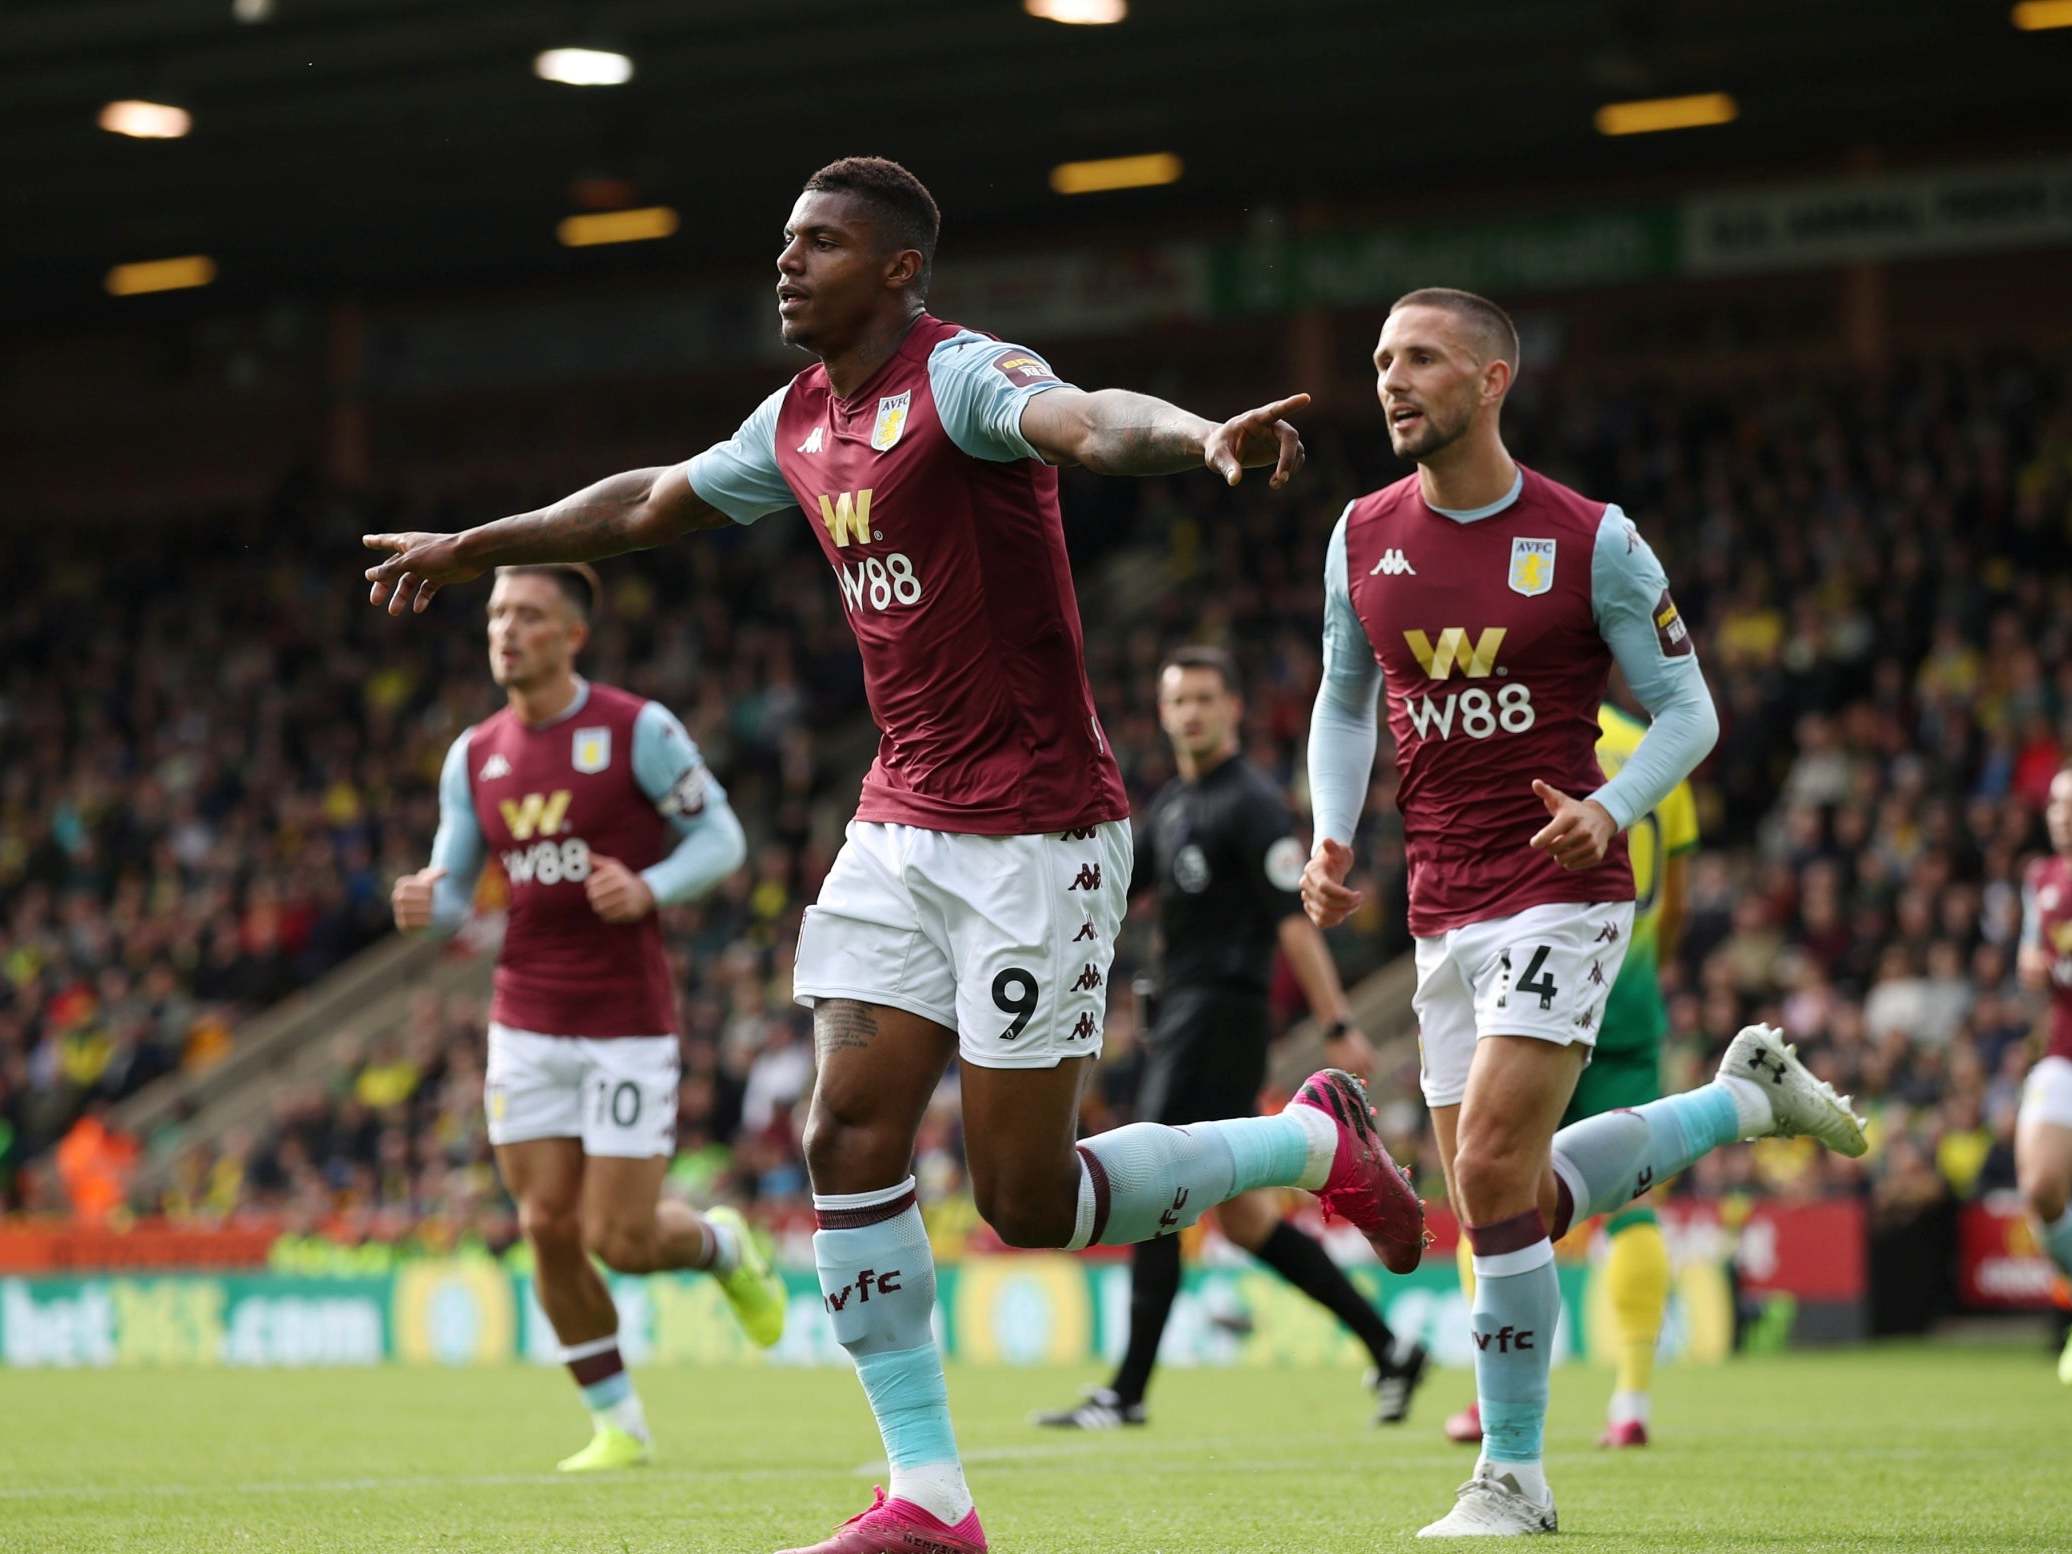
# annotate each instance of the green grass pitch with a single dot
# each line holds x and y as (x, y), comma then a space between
(1885, 1450)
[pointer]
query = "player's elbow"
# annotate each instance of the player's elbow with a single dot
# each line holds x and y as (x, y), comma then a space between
(1704, 724)
(732, 848)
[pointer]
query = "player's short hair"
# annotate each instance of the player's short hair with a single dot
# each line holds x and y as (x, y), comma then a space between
(577, 580)
(1201, 655)
(1494, 330)
(904, 207)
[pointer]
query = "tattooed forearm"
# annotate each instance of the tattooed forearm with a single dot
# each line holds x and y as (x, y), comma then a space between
(840, 1023)
(1135, 434)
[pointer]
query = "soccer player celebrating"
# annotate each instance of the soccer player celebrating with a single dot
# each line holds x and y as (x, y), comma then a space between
(2043, 1131)
(1218, 845)
(599, 808)
(1492, 603)
(1626, 1070)
(972, 911)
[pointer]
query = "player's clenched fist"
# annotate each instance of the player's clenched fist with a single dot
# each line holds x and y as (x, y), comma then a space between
(616, 893)
(411, 900)
(1579, 831)
(1325, 895)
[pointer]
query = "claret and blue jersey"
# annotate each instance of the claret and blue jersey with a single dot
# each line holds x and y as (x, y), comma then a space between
(941, 524)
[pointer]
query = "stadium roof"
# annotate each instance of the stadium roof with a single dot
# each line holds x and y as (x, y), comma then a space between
(367, 144)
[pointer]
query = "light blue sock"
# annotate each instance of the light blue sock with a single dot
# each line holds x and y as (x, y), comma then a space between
(1517, 1304)
(1608, 1160)
(877, 1280)
(1147, 1180)
(2057, 1240)
(600, 1396)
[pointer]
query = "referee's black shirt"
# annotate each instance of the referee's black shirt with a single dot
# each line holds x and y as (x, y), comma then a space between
(1221, 851)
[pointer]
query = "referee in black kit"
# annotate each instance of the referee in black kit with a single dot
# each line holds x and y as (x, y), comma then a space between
(1219, 843)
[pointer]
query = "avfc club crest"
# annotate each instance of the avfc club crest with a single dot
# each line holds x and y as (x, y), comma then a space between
(1532, 566)
(892, 420)
(593, 750)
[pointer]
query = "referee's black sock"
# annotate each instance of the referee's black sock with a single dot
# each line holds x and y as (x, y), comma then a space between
(1154, 1284)
(1304, 1263)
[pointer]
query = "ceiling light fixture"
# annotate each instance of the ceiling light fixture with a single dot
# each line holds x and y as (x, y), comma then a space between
(617, 226)
(583, 67)
(1116, 172)
(143, 120)
(2042, 15)
(1667, 113)
(182, 274)
(1079, 13)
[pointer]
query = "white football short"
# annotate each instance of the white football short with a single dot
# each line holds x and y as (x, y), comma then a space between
(1543, 972)
(2047, 1093)
(1006, 940)
(617, 1094)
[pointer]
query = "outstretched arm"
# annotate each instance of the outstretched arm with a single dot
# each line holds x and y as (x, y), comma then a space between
(637, 510)
(1120, 432)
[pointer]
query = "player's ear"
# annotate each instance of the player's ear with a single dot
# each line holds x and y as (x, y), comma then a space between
(903, 269)
(1496, 380)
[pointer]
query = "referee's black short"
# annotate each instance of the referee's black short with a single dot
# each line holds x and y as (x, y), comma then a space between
(1205, 1058)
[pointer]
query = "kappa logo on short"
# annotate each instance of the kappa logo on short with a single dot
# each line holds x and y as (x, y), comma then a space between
(496, 766)
(1088, 878)
(1393, 564)
(892, 420)
(1084, 1030)
(1086, 981)
(1532, 566)
(1086, 931)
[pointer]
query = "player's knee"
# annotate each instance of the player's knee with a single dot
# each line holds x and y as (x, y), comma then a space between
(623, 1247)
(1492, 1174)
(848, 1154)
(1025, 1218)
(552, 1228)
(2044, 1194)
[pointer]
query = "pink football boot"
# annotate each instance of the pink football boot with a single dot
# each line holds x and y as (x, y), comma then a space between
(1365, 1186)
(1628, 1432)
(895, 1527)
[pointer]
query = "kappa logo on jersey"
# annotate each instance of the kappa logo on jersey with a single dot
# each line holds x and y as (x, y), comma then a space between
(892, 420)
(1670, 629)
(1532, 566)
(1437, 659)
(593, 750)
(1393, 564)
(496, 766)
(847, 517)
(537, 814)
(815, 440)
(1021, 369)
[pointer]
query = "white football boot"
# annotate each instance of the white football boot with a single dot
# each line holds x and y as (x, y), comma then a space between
(1493, 1505)
(1800, 1105)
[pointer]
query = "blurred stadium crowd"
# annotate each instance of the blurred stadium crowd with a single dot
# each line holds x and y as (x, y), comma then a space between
(203, 809)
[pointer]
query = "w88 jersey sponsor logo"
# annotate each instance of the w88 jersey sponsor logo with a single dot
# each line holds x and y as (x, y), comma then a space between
(1473, 713)
(549, 863)
(879, 584)
(1478, 713)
